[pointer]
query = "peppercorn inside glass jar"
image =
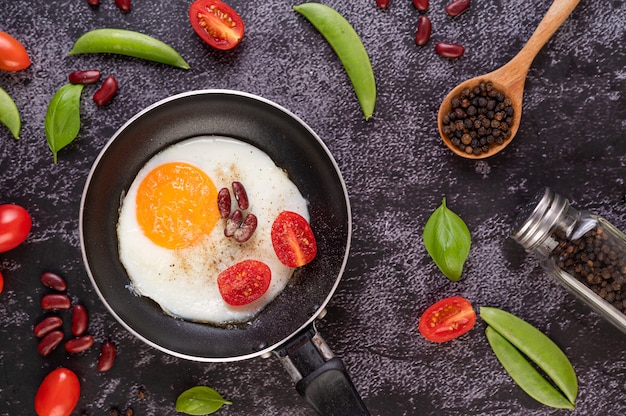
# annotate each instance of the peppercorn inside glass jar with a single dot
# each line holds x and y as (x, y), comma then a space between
(479, 118)
(585, 252)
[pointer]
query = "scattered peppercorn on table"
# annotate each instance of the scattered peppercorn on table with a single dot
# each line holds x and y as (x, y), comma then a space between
(396, 171)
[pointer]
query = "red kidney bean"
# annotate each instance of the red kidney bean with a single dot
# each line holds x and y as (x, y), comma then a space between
(456, 7)
(93, 2)
(421, 5)
(223, 202)
(382, 3)
(233, 223)
(247, 228)
(55, 301)
(107, 356)
(449, 50)
(424, 27)
(90, 76)
(47, 325)
(79, 344)
(54, 281)
(240, 195)
(123, 5)
(50, 342)
(106, 91)
(79, 320)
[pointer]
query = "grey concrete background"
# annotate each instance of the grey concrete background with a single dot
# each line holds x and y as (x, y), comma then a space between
(396, 170)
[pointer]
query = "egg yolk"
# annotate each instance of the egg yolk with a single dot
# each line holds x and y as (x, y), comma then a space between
(176, 205)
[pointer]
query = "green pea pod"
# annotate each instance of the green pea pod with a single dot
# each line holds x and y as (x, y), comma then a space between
(63, 117)
(129, 43)
(538, 348)
(348, 46)
(9, 114)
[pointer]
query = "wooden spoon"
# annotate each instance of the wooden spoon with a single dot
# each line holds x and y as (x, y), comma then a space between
(510, 78)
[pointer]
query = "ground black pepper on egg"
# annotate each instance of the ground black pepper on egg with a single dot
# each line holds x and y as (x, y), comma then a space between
(597, 260)
(479, 118)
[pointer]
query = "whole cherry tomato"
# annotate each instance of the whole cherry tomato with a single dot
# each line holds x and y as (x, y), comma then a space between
(244, 282)
(15, 224)
(1, 283)
(293, 239)
(58, 393)
(216, 23)
(447, 319)
(13, 55)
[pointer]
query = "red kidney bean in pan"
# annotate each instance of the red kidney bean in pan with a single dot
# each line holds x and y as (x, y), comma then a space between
(90, 76)
(106, 92)
(107, 356)
(246, 229)
(79, 344)
(449, 50)
(79, 320)
(240, 195)
(123, 5)
(53, 281)
(233, 223)
(50, 342)
(47, 325)
(93, 2)
(421, 5)
(223, 202)
(456, 7)
(55, 302)
(424, 28)
(382, 3)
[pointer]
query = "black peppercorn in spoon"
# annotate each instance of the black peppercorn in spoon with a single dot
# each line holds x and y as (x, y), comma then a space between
(509, 78)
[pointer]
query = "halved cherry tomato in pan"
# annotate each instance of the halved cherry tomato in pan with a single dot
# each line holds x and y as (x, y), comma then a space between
(58, 393)
(293, 239)
(447, 319)
(13, 55)
(244, 282)
(216, 23)
(15, 224)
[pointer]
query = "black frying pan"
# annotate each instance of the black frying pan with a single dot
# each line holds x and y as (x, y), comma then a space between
(287, 322)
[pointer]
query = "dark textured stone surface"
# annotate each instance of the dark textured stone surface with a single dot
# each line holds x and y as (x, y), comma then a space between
(396, 170)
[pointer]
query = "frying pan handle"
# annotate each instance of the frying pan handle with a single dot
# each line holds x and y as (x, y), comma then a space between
(320, 377)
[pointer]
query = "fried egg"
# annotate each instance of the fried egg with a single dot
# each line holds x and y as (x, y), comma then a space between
(171, 235)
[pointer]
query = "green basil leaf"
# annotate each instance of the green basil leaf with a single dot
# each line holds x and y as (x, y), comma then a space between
(63, 117)
(200, 400)
(447, 240)
(9, 114)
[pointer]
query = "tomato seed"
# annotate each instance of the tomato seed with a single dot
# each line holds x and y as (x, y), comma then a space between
(424, 28)
(79, 344)
(246, 229)
(382, 3)
(123, 5)
(421, 5)
(449, 50)
(106, 91)
(47, 325)
(90, 76)
(107, 356)
(55, 301)
(240, 195)
(79, 320)
(223, 202)
(457, 7)
(50, 342)
(54, 281)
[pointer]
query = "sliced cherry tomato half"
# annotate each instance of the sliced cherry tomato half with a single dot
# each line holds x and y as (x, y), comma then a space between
(293, 239)
(244, 282)
(447, 319)
(15, 224)
(58, 393)
(13, 55)
(216, 23)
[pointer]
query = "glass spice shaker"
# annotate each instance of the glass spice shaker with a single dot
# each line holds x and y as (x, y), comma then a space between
(583, 251)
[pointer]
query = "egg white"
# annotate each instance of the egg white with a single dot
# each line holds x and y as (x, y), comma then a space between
(184, 282)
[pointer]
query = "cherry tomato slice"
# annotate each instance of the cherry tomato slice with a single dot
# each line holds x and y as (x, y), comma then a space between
(15, 224)
(58, 393)
(293, 239)
(13, 55)
(447, 319)
(216, 23)
(244, 282)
